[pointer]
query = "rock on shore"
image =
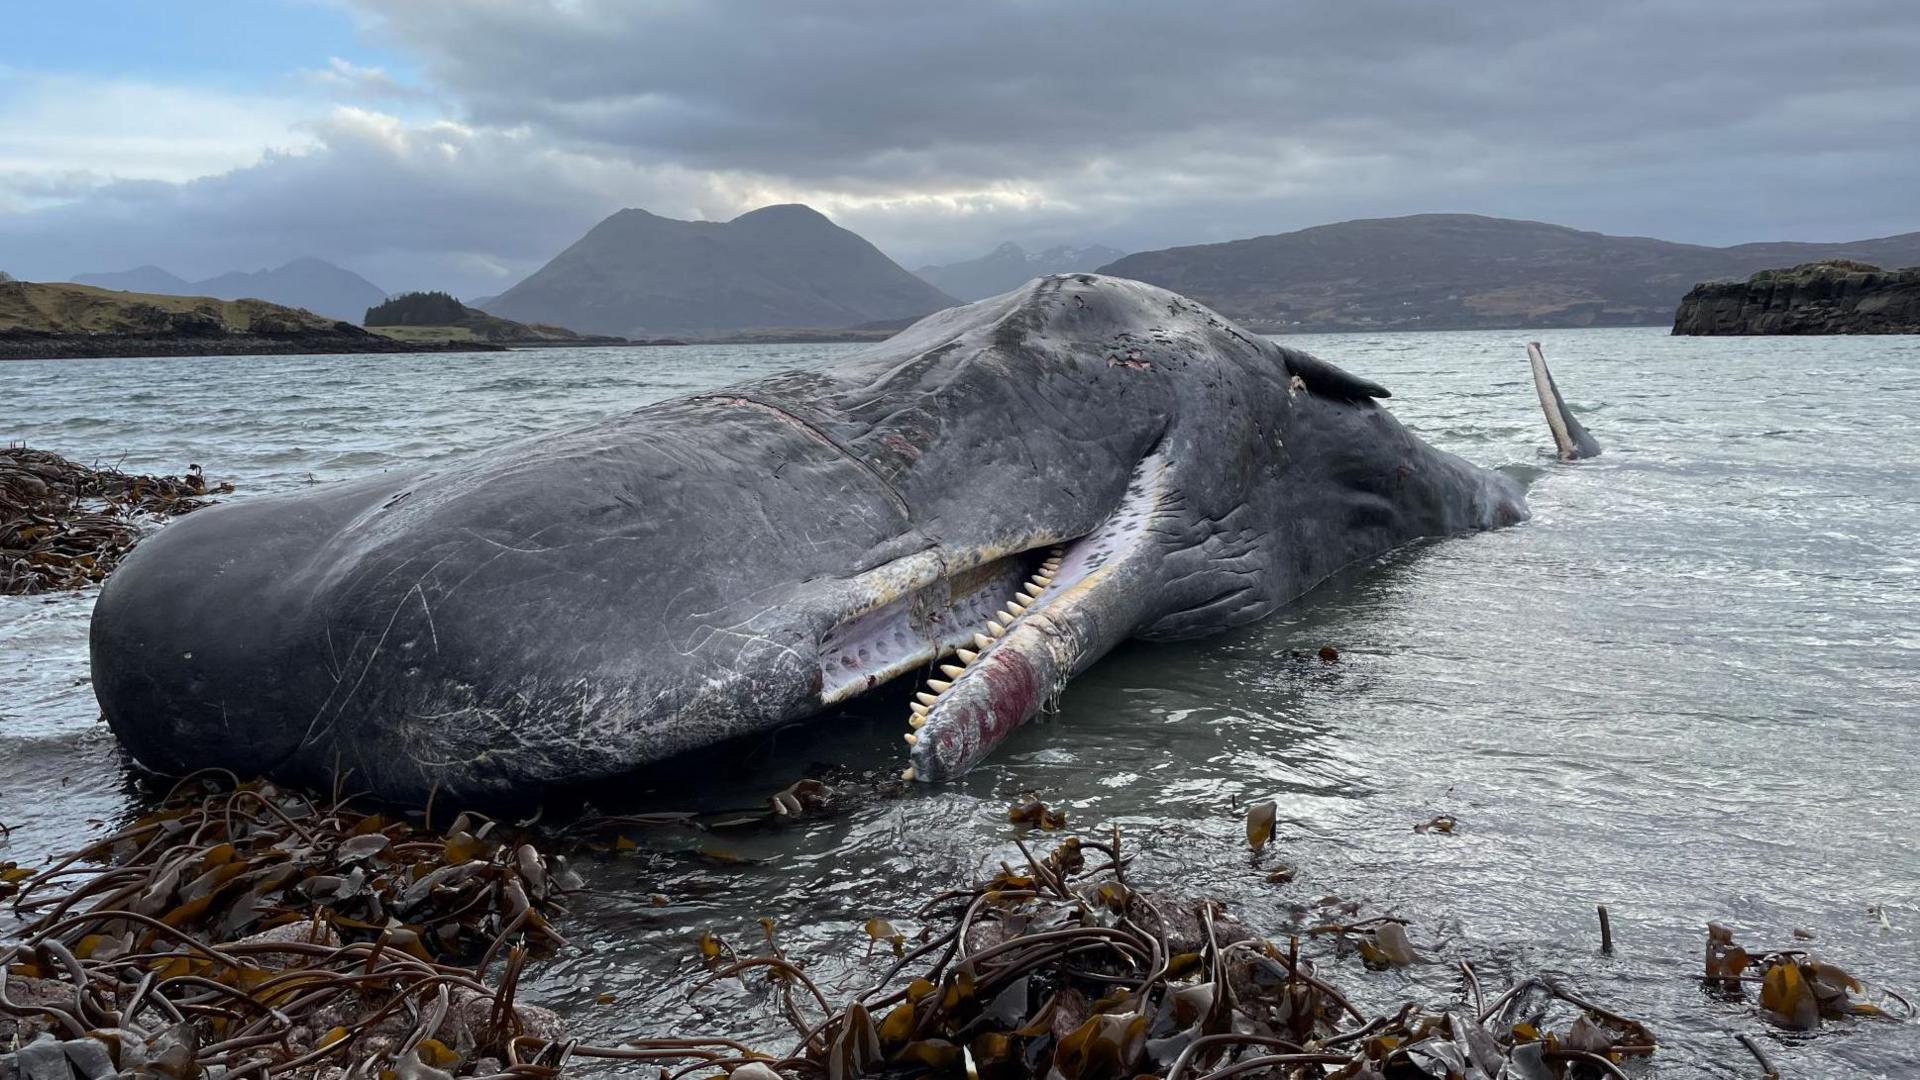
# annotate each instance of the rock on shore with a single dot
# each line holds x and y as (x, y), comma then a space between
(1830, 297)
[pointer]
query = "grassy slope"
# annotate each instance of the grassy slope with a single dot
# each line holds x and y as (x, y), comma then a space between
(59, 308)
(426, 333)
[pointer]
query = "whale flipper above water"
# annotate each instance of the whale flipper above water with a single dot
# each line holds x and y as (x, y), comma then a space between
(1569, 437)
(1007, 490)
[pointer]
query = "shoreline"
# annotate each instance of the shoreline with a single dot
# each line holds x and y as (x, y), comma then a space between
(129, 347)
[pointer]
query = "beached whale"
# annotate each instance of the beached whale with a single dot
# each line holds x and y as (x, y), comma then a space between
(1004, 491)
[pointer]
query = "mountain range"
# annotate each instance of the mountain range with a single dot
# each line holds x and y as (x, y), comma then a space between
(314, 284)
(1463, 271)
(637, 274)
(1010, 266)
(781, 270)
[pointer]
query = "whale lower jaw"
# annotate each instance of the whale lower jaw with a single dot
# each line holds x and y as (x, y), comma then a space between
(1080, 600)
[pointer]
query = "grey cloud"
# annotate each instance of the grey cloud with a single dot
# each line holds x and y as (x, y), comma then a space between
(983, 90)
(938, 130)
(408, 207)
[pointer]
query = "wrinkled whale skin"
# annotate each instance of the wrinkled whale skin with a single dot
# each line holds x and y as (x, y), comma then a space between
(576, 605)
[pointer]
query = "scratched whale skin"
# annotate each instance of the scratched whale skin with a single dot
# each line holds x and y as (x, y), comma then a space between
(998, 495)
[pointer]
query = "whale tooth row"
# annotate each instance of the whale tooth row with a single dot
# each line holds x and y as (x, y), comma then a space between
(1023, 598)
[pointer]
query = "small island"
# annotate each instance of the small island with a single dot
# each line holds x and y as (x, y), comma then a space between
(438, 316)
(1833, 296)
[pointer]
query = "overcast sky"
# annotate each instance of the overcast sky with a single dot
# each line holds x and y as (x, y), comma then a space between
(459, 145)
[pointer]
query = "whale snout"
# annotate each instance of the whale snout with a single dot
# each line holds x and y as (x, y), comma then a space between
(200, 646)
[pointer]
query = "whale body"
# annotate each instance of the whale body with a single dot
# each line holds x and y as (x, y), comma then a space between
(999, 495)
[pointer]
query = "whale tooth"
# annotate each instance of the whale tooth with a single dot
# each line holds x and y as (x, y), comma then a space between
(919, 708)
(1025, 598)
(926, 698)
(912, 739)
(983, 641)
(996, 628)
(1007, 613)
(967, 656)
(1045, 577)
(1017, 609)
(908, 775)
(938, 685)
(953, 671)
(917, 720)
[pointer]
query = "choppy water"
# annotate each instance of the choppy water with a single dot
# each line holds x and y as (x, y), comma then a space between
(1688, 688)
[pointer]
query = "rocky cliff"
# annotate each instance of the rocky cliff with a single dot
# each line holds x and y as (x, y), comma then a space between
(1834, 296)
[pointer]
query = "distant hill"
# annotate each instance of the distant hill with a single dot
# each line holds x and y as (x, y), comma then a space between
(313, 284)
(437, 315)
(1010, 266)
(140, 279)
(640, 275)
(52, 320)
(1460, 271)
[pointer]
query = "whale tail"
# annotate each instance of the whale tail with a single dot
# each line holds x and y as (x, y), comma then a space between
(1569, 437)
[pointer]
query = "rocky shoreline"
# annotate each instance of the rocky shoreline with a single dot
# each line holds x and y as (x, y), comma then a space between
(1830, 297)
(32, 345)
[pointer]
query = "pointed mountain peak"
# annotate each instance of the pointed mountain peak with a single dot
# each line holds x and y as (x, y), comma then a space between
(784, 266)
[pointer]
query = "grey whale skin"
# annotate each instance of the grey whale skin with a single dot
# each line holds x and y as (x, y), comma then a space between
(1013, 487)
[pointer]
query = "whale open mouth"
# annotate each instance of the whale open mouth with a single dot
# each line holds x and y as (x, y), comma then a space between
(1018, 697)
(1001, 637)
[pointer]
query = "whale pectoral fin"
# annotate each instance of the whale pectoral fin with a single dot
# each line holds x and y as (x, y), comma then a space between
(1328, 380)
(1569, 437)
(1082, 599)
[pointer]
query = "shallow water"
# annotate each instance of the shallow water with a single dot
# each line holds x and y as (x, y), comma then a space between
(1689, 688)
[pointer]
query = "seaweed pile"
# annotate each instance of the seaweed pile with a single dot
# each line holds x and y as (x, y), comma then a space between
(64, 525)
(245, 929)
(241, 929)
(1067, 968)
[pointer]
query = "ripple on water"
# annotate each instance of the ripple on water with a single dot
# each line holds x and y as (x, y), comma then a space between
(1685, 688)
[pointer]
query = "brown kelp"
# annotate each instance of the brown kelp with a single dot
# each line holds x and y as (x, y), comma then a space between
(1065, 966)
(242, 928)
(1798, 990)
(64, 525)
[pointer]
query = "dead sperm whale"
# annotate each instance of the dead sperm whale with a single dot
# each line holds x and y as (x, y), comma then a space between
(1006, 490)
